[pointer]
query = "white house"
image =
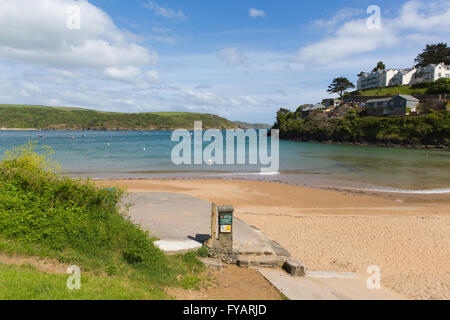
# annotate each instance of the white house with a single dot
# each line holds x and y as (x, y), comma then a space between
(432, 72)
(403, 77)
(375, 79)
(392, 77)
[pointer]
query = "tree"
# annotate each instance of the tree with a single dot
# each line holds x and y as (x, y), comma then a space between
(380, 66)
(340, 85)
(433, 54)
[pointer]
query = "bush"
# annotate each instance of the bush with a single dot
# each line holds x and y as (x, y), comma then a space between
(75, 220)
(422, 85)
(440, 86)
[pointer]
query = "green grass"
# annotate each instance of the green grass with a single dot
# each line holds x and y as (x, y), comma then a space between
(50, 216)
(42, 117)
(27, 283)
(440, 86)
(390, 91)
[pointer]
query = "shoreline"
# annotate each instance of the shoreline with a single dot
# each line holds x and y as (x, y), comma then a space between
(378, 144)
(406, 235)
(307, 180)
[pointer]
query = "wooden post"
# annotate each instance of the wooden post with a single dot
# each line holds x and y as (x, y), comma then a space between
(211, 242)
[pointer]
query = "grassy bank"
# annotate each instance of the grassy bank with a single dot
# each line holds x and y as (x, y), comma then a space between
(47, 215)
(441, 86)
(41, 117)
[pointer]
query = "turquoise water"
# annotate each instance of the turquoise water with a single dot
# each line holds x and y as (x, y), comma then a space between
(141, 152)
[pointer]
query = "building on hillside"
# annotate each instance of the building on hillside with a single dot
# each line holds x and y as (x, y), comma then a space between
(375, 79)
(307, 109)
(333, 102)
(432, 72)
(404, 77)
(400, 104)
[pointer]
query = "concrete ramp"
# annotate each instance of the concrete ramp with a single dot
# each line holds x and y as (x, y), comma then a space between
(182, 222)
(320, 285)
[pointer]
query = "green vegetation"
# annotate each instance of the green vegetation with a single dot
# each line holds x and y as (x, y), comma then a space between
(50, 216)
(339, 86)
(380, 66)
(431, 129)
(41, 117)
(391, 91)
(440, 86)
(27, 283)
(433, 54)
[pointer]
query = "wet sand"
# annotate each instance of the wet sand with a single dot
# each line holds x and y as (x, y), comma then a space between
(407, 235)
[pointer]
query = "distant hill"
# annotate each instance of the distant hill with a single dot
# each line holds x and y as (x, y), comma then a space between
(246, 125)
(54, 118)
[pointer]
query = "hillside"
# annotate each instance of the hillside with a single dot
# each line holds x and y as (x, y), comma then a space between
(441, 86)
(431, 130)
(246, 125)
(42, 117)
(391, 91)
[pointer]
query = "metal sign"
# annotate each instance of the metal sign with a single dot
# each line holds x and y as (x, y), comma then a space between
(226, 219)
(225, 228)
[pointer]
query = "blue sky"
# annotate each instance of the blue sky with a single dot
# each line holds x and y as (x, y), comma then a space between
(239, 59)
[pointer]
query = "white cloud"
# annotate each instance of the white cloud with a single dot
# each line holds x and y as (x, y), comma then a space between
(35, 32)
(255, 13)
(232, 56)
(341, 16)
(125, 74)
(152, 76)
(415, 22)
(164, 12)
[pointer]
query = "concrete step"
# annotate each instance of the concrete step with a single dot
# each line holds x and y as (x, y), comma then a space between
(267, 261)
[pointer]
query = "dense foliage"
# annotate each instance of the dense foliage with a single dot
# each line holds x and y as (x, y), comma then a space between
(39, 117)
(76, 222)
(431, 129)
(433, 54)
(340, 85)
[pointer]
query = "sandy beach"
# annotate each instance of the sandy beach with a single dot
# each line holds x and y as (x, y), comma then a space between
(408, 236)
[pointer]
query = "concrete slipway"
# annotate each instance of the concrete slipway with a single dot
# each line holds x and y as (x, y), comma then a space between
(182, 223)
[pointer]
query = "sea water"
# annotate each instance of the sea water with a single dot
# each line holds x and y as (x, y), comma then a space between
(140, 154)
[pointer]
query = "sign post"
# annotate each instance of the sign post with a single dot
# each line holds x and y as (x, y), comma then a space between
(225, 215)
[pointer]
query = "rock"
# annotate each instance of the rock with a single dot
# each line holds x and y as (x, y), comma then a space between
(211, 263)
(268, 261)
(294, 267)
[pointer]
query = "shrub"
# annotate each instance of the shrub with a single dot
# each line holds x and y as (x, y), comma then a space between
(77, 221)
